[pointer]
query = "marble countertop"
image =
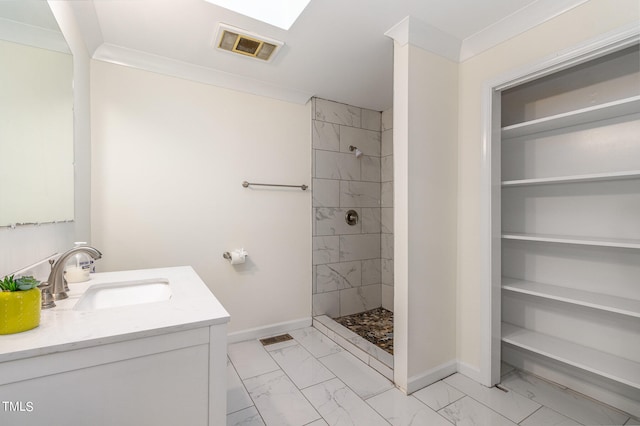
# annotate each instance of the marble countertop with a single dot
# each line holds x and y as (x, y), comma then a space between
(62, 328)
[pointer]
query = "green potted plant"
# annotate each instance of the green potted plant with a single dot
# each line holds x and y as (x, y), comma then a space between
(19, 304)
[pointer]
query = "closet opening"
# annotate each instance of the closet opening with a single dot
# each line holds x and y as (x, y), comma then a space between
(563, 168)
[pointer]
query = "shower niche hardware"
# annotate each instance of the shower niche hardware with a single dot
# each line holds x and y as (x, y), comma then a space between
(246, 184)
(351, 217)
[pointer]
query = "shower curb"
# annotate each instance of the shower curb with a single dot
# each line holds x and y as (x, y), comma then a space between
(367, 352)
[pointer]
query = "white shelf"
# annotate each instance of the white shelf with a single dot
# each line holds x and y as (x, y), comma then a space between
(595, 177)
(573, 118)
(600, 301)
(586, 241)
(603, 364)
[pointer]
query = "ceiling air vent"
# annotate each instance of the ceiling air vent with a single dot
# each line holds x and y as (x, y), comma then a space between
(235, 40)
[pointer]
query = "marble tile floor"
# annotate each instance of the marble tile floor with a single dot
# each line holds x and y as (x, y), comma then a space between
(376, 357)
(310, 380)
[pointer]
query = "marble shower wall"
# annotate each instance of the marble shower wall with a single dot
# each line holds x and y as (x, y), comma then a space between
(347, 262)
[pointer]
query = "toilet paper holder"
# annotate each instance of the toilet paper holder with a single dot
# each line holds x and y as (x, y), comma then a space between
(242, 252)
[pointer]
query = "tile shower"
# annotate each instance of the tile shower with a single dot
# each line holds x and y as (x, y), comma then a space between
(352, 265)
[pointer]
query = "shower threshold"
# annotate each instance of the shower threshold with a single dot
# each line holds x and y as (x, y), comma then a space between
(374, 356)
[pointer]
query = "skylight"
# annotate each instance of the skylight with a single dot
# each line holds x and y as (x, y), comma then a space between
(280, 13)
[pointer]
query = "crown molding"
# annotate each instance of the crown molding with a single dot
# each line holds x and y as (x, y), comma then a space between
(163, 65)
(418, 33)
(87, 20)
(30, 35)
(409, 30)
(517, 23)
(101, 51)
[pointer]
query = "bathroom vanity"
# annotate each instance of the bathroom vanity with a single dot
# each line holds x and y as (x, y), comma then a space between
(126, 348)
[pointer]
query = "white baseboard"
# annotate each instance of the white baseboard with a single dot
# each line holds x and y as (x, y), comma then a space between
(268, 330)
(471, 372)
(431, 376)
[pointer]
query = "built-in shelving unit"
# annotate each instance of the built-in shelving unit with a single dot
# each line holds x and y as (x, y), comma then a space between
(605, 302)
(573, 118)
(574, 299)
(595, 177)
(601, 363)
(586, 241)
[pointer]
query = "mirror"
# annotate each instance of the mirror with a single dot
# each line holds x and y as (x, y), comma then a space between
(36, 116)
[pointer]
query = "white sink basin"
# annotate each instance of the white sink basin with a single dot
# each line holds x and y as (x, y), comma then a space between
(125, 293)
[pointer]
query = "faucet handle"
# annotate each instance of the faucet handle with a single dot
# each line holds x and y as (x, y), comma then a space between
(47, 297)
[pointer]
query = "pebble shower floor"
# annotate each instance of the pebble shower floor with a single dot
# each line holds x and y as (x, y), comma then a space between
(375, 325)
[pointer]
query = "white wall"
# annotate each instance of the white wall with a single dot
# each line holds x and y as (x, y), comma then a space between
(25, 245)
(424, 162)
(168, 159)
(567, 30)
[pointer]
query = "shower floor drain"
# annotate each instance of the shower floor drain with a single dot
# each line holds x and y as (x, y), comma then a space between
(275, 339)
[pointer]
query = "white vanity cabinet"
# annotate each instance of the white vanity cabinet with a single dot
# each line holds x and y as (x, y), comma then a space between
(570, 166)
(174, 374)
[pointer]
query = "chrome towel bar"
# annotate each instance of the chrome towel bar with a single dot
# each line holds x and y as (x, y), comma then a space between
(247, 184)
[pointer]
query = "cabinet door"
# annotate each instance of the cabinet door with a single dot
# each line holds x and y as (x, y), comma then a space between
(169, 388)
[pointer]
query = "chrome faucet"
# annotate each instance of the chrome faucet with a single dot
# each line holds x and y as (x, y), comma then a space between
(56, 287)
